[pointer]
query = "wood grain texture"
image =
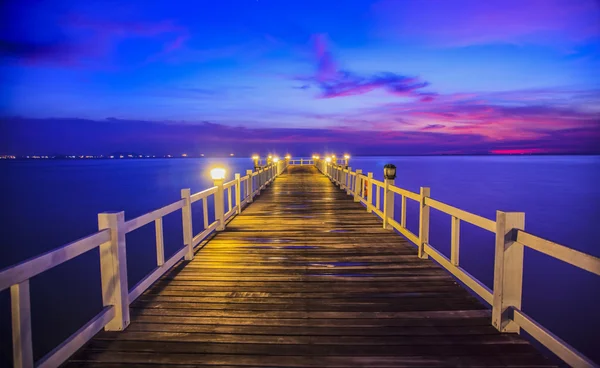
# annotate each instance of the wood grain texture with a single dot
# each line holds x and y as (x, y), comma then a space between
(305, 277)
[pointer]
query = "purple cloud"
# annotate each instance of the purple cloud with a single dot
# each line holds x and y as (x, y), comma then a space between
(334, 82)
(79, 136)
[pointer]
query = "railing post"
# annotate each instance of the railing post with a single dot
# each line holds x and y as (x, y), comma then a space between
(388, 203)
(160, 242)
(301, 161)
(113, 269)
(220, 205)
(343, 179)
(403, 213)
(258, 184)
(249, 189)
(357, 185)
(369, 192)
(186, 218)
(423, 222)
(205, 211)
(21, 325)
(508, 269)
(348, 180)
(455, 240)
(238, 194)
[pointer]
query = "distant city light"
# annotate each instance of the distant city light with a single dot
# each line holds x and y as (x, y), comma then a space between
(184, 155)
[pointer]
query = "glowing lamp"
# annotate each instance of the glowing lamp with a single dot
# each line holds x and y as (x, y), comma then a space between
(270, 157)
(346, 156)
(328, 159)
(255, 157)
(332, 156)
(287, 157)
(217, 173)
(317, 157)
(276, 159)
(389, 172)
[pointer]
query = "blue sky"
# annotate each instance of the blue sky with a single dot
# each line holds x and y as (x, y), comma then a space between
(505, 74)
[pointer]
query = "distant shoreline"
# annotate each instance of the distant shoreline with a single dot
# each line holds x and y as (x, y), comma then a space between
(154, 157)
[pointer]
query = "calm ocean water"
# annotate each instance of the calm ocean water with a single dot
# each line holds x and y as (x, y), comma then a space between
(46, 204)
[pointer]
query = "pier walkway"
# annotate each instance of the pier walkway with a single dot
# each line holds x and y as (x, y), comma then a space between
(304, 265)
(305, 277)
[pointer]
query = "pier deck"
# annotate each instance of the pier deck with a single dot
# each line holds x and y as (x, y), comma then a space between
(305, 277)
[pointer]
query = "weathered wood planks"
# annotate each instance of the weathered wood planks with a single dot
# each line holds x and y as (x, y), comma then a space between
(305, 277)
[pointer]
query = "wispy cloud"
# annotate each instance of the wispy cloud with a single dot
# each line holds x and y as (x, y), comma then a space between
(89, 42)
(335, 82)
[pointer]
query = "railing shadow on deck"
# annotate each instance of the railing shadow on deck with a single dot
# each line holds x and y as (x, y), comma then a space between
(111, 242)
(511, 238)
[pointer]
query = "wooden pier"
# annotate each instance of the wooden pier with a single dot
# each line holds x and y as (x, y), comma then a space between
(299, 275)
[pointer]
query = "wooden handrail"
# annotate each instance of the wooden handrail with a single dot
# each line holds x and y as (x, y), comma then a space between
(203, 194)
(473, 219)
(149, 217)
(34, 266)
(571, 256)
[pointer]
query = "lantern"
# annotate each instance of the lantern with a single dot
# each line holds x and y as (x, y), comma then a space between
(389, 172)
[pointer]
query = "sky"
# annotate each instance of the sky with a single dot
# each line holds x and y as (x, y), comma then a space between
(246, 76)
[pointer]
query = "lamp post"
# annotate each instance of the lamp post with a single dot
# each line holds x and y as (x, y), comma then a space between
(256, 160)
(269, 160)
(347, 159)
(218, 176)
(334, 159)
(389, 173)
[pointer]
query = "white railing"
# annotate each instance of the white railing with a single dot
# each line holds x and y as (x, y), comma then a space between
(511, 238)
(110, 239)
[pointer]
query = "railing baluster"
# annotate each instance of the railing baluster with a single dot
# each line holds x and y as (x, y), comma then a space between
(205, 211)
(113, 269)
(160, 245)
(388, 203)
(508, 269)
(349, 181)
(21, 325)
(186, 218)
(403, 214)
(369, 192)
(238, 194)
(378, 198)
(357, 185)
(219, 205)
(249, 190)
(455, 241)
(229, 203)
(423, 222)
